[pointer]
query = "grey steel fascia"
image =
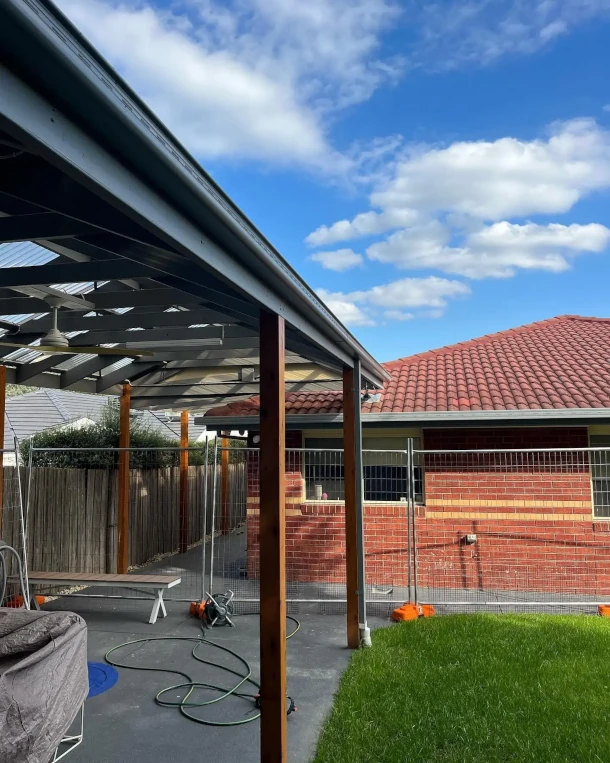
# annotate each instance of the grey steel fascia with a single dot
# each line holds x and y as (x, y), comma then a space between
(580, 416)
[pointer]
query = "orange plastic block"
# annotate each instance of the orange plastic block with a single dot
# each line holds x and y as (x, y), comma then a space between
(406, 612)
(603, 610)
(412, 612)
(17, 601)
(197, 609)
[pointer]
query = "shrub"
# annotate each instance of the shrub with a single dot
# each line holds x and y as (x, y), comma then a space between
(96, 446)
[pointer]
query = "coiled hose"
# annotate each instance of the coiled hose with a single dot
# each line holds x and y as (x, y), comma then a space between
(191, 686)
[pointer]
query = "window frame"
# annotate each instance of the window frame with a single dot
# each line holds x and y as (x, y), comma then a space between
(599, 440)
(335, 442)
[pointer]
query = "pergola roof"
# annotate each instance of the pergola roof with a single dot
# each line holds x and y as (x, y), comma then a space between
(101, 206)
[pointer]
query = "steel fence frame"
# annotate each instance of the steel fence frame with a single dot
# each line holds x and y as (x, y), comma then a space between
(13, 517)
(556, 462)
(194, 584)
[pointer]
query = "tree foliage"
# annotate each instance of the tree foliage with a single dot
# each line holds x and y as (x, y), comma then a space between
(95, 446)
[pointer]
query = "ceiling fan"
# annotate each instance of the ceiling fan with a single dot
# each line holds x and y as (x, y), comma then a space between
(56, 342)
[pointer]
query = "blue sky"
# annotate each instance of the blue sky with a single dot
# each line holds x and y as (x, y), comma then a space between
(435, 170)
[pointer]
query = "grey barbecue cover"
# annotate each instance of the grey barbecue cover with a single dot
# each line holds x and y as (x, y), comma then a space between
(43, 681)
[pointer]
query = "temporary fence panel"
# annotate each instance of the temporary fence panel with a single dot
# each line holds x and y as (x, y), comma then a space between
(315, 528)
(12, 523)
(73, 511)
(514, 528)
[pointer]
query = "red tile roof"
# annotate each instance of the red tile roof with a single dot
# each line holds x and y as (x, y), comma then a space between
(562, 362)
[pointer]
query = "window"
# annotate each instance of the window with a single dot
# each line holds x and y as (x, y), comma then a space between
(384, 464)
(600, 475)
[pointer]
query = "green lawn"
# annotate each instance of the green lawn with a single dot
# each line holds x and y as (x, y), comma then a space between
(476, 689)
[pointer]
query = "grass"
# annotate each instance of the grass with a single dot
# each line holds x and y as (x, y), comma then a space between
(476, 689)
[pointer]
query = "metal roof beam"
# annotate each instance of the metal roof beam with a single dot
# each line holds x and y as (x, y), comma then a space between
(41, 292)
(131, 371)
(73, 375)
(221, 389)
(234, 336)
(153, 298)
(69, 321)
(74, 272)
(228, 362)
(43, 225)
(100, 299)
(27, 371)
(201, 403)
(44, 186)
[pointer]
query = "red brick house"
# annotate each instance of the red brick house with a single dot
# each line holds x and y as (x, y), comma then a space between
(540, 518)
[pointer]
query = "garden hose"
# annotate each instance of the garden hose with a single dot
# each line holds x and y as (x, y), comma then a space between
(192, 686)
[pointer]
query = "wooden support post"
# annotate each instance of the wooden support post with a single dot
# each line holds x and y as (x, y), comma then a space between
(274, 730)
(2, 412)
(224, 484)
(184, 481)
(123, 491)
(351, 526)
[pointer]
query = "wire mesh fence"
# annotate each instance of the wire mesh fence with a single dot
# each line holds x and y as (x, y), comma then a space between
(459, 529)
(515, 529)
(73, 507)
(12, 530)
(315, 529)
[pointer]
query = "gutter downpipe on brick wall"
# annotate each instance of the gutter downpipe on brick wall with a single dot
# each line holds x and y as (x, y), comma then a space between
(365, 631)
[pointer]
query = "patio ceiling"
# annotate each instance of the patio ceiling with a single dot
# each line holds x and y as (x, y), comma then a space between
(101, 207)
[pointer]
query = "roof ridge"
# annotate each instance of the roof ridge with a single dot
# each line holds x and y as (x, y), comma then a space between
(52, 396)
(485, 339)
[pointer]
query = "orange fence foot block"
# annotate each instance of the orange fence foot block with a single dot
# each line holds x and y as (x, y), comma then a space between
(412, 612)
(17, 601)
(197, 609)
(603, 610)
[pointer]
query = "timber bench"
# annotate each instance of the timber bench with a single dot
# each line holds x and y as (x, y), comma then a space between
(156, 584)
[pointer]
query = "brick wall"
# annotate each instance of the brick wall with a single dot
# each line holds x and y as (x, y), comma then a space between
(532, 517)
(532, 514)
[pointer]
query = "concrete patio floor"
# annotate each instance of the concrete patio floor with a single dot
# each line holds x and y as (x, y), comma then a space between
(124, 725)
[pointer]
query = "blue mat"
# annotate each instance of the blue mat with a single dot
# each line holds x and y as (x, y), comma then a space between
(101, 678)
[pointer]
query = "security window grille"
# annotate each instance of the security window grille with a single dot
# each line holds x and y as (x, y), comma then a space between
(384, 462)
(600, 475)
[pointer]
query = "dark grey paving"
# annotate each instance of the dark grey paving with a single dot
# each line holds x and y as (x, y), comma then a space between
(124, 725)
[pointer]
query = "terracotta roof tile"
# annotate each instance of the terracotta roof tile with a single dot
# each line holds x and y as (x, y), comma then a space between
(558, 363)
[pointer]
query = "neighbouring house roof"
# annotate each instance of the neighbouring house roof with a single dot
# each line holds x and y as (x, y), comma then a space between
(49, 408)
(560, 363)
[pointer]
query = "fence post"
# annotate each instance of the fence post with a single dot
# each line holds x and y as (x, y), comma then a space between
(123, 496)
(224, 484)
(2, 413)
(184, 481)
(365, 633)
(274, 730)
(351, 531)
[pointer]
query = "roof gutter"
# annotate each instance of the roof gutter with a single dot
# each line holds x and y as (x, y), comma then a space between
(60, 36)
(424, 419)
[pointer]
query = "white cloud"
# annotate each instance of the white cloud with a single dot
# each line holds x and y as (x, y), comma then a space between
(472, 181)
(493, 180)
(496, 251)
(606, 107)
(479, 32)
(250, 79)
(362, 308)
(365, 224)
(340, 260)
(344, 307)
(398, 315)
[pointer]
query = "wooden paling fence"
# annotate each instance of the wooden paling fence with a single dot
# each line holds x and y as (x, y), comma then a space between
(72, 514)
